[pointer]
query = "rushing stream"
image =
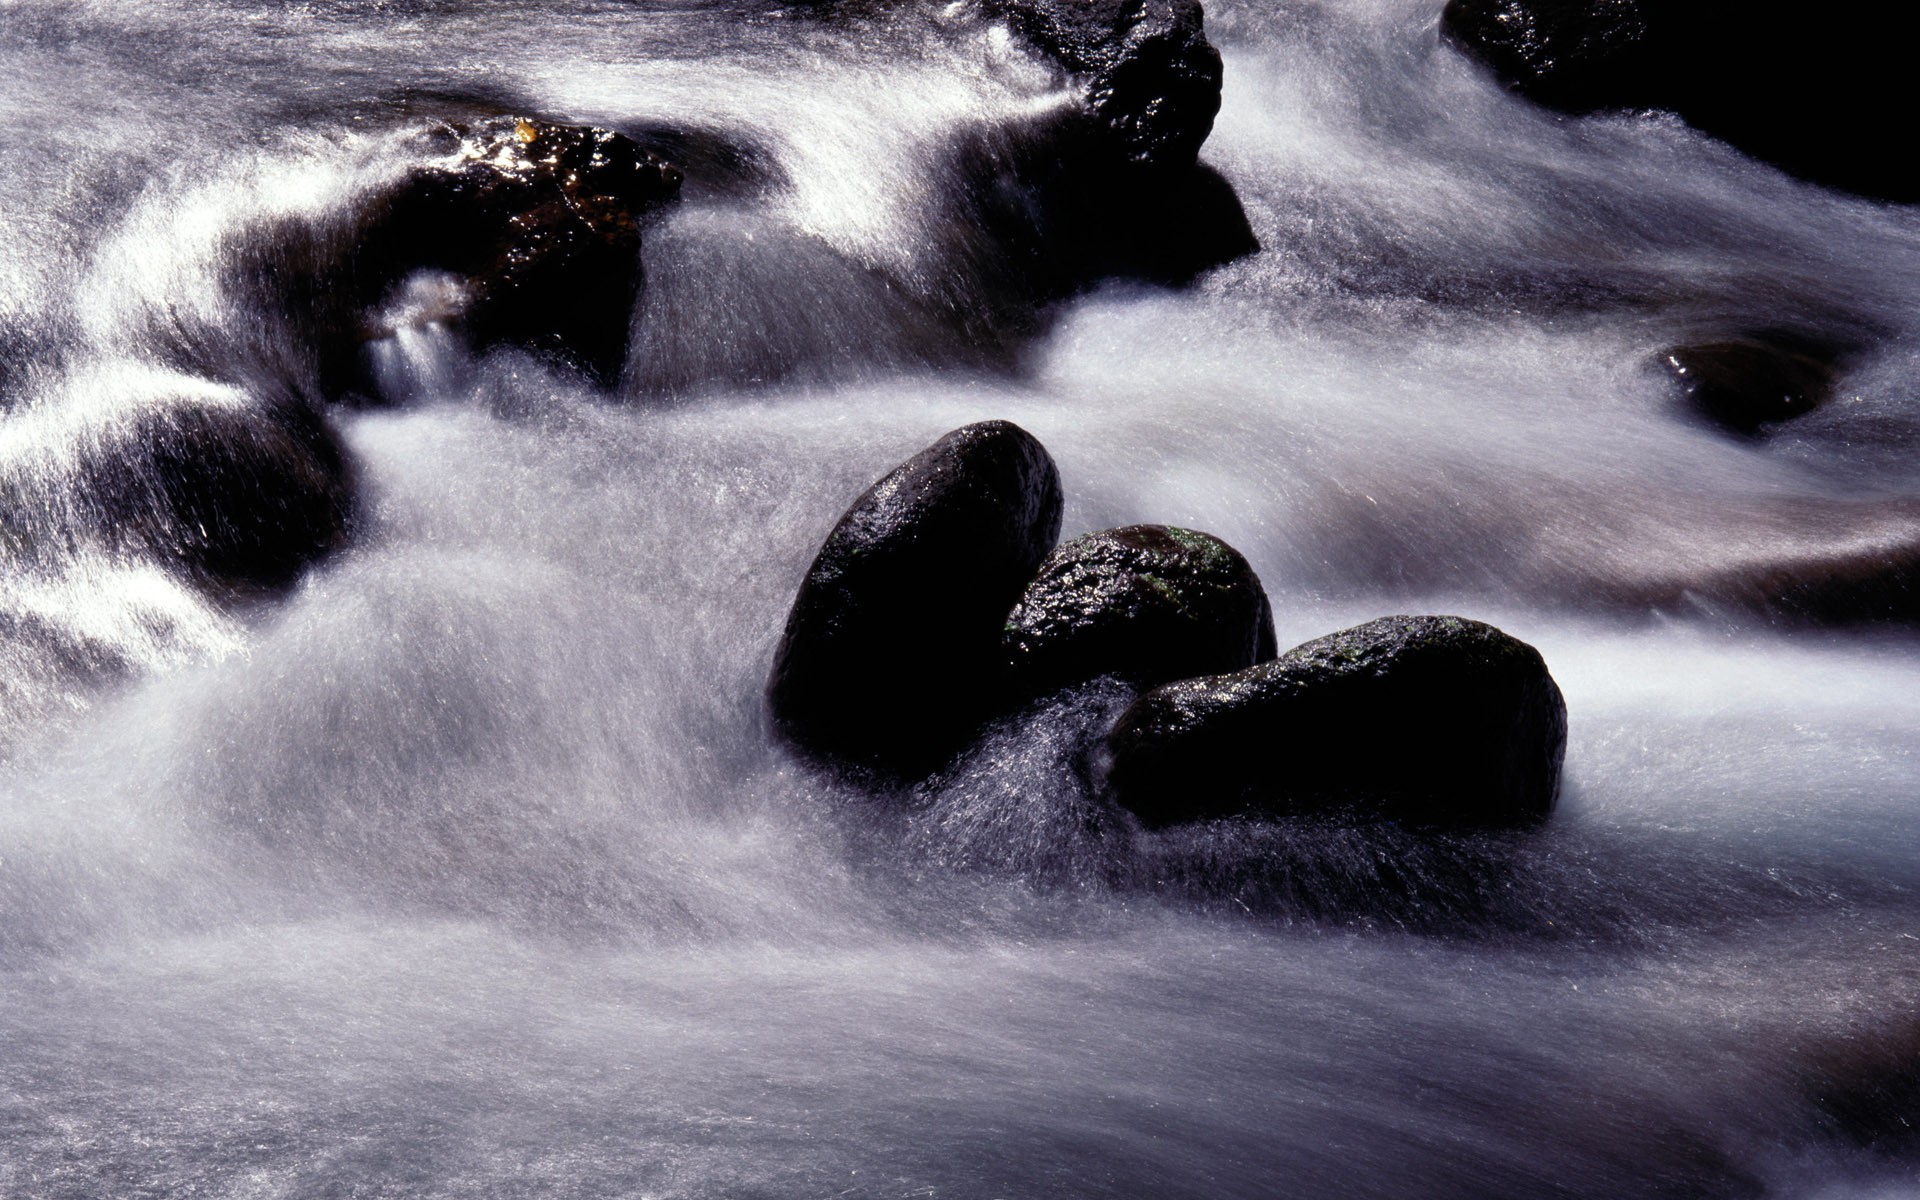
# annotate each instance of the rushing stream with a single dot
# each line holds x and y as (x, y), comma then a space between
(469, 866)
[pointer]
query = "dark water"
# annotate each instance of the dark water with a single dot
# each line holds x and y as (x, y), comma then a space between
(469, 868)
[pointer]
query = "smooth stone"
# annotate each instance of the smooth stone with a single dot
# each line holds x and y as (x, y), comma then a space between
(242, 498)
(1148, 604)
(891, 654)
(1747, 383)
(1435, 721)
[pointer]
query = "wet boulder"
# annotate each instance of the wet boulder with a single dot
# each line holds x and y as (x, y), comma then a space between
(1148, 604)
(1746, 383)
(241, 497)
(537, 223)
(891, 654)
(1150, 76)
(1810, 93)
(1434, 721)
(1043, 209)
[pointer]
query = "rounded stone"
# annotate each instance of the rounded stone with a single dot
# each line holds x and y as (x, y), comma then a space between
(1436, 721)
(891, 654)
(242, 497)
(1146, 603)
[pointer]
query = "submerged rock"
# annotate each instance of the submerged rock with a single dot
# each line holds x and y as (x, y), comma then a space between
(540, 224)
(1747, 383)
(1149, 74)
(1809, 93)
(239, 497)
(1146, 603)
(891, 654)
(1436, 721)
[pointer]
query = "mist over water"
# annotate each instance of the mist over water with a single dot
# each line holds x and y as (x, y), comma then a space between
(470, 867)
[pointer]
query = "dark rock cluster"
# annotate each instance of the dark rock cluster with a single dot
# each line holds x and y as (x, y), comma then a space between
(512, 230)
(935, 605)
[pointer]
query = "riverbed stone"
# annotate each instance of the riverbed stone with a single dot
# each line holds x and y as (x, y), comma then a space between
(891, 654)
(1810, 93)
(540, 224)
(240, 497)
(1148, 604)
(1431, 720)
(1746, 383)
(1150, 75)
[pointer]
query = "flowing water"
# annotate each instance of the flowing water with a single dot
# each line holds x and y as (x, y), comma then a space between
(470, 868)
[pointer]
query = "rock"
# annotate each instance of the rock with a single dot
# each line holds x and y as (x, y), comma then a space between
(1044, 209)
(1148, 604)
(1746, 383)
(1436, 721)
(239, 497)
(891, 654)
(540, 222)
(1573, 55)
(1810, 93)
(1151, 78)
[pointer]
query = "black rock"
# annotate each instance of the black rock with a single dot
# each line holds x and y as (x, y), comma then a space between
(891, 655)
(539, 224)
(1436, 721)
(1043, 209)
(1811, 92)
(1749, 382)
(1151, 77)
(241, 497)
(1147, 604)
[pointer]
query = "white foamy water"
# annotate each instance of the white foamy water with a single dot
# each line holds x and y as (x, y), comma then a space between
(470, 867)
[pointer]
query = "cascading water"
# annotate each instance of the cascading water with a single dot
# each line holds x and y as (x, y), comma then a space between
(469, 865)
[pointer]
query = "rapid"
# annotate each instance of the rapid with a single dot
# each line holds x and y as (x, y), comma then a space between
(470, 866)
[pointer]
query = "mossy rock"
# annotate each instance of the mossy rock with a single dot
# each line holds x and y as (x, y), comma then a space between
(1146, 603)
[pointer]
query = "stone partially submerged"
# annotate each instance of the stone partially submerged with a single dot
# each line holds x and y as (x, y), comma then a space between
(1147, 71)
(891, 654)
(530, 231)
(240, 497)
(1809, 92)
(1148, 604)
(1744, 384)
(1434, 721)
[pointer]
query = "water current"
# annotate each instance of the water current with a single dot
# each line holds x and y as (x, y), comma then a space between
(470, 867)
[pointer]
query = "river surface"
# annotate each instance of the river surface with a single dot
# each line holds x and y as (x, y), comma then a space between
(470, 868)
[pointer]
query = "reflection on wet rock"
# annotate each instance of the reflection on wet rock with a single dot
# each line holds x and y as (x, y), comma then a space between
(539, 222)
